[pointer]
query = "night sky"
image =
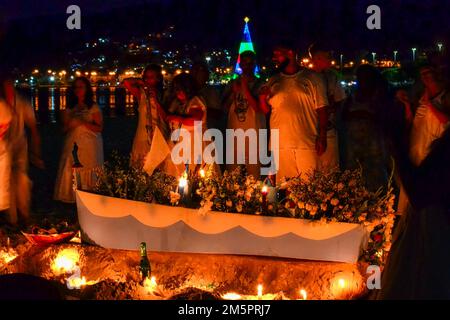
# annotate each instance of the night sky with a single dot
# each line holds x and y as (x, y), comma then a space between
(35, 30)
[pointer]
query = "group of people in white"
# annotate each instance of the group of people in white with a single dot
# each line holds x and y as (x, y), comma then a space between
(319, 126)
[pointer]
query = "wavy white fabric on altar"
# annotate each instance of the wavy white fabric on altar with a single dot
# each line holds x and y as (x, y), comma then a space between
(123, 224)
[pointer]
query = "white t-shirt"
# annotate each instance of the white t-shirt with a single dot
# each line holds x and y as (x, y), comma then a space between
(294, 100)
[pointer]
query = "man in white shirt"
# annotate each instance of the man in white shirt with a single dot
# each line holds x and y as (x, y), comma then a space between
(321, 60)
(297, 101)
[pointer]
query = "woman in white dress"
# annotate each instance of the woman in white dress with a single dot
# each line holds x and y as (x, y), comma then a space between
(149, 92)
(83, 124)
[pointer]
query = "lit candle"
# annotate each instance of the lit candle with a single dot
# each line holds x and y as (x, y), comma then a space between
(202, 173)
(150, 284)
(182, 185)
(264, 192)
(303, 294)
(341, 283)
(260, 290)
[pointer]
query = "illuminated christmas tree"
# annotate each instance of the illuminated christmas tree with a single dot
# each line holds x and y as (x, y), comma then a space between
(246, 45)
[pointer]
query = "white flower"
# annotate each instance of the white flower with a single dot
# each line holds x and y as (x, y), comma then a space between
(334, 202)
(174, 197)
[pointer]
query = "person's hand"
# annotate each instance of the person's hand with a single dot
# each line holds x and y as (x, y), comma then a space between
(37, 161)
(321, 145)
(264, 93)
(402, 96)
(173, 120)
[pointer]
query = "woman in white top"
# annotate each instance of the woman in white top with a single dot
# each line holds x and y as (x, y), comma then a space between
(186, 109)
(427, 124)
(149, 92)
(83, 124)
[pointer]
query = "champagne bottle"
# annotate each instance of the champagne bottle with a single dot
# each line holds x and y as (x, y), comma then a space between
(144, 265)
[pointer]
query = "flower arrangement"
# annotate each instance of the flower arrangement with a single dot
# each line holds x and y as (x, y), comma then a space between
(118, 179)
(324, 196)
(337, 196)
(234, 191)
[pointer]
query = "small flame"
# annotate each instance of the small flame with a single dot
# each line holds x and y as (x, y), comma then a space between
(7, 256)
(75, 281)
(341, 283)
(66, 261)
(150, 284)
(303, 294)
(260, 291)
(202, 173)
(182, 182)
(264, 190)
(232, 296)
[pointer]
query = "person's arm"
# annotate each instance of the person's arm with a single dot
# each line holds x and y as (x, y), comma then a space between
(227, 98)
(195, 114)
(442, 117)
(321, 106)
(263, 97)
(249, 96)
(321, 143)
(133, 85)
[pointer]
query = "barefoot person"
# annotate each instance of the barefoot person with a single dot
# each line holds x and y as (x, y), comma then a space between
(149, 92)
(298, 103)
(83, 124)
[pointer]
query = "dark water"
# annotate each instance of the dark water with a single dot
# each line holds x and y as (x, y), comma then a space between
(48, 101)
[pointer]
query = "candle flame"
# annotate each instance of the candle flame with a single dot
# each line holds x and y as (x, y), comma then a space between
(303, 294)
(150, 284)
(75, 281)
(232, 296)
(341, 283)
(7, 256)
(202, 173)
(264, 190)
(260, 291)
(66, 261)
(182, 182)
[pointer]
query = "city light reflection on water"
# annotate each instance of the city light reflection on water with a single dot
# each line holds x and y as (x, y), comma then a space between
(48, 101)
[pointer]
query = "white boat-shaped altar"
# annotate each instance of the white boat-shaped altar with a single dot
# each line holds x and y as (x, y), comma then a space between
(123, 224)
